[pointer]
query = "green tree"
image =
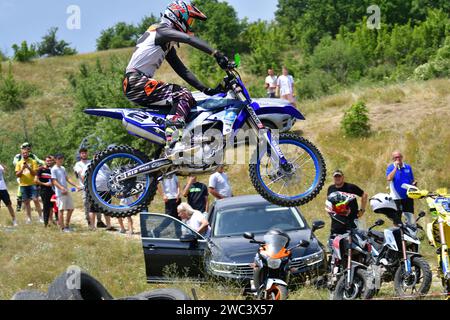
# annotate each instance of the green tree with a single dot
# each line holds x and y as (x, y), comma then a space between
(3, 56)
(50, 46)
(145, 23)
(24, 53)
(222, 31)
(266, 47)
(122, 35)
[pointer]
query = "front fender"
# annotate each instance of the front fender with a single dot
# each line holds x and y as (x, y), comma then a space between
(289, 110)
(272, 281)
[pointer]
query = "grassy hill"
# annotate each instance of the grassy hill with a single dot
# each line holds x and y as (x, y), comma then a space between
(411, 116)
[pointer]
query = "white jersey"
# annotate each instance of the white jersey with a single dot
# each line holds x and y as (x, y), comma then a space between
(148, 56)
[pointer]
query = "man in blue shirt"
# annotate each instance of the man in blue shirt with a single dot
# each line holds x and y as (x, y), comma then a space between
(398, 173)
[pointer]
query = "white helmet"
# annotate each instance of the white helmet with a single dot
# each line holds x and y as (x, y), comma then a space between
(383, 203)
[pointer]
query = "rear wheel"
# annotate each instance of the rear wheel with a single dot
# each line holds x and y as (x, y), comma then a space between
(417, 282)
(294, 183)
(124, 198)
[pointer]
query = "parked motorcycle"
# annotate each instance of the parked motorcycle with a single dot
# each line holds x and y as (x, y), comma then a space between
(288, 171)
(438, 231)
(272, 264)
(348, 278)
(396, 251)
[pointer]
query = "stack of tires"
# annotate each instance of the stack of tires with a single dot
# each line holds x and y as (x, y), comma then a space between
(90, 288)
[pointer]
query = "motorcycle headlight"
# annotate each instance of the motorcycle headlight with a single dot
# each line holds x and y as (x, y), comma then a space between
(273, 263)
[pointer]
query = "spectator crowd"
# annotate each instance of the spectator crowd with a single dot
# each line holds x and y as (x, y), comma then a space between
(45, 183)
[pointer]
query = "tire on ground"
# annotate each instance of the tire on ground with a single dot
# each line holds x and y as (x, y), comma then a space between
(164, 294)
(30, 295)
(64, 287)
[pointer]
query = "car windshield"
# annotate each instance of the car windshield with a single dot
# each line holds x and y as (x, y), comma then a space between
(255, 219)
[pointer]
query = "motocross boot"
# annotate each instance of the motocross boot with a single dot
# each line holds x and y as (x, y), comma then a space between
(174, 132)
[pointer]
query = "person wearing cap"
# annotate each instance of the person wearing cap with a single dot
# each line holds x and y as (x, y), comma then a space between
(16, 159)
(340, 185)
(26, 170)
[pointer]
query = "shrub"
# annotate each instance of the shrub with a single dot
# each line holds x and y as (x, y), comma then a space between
(12, 92)
(356, 121)
(24, 53)
(315, 84)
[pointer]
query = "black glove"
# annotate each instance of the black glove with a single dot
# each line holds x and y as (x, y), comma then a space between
(213, 91)
(222, 60)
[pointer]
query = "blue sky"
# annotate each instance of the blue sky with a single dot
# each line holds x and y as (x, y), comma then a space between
(29, 20)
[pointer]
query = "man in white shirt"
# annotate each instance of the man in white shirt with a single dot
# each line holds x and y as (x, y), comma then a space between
(271, 83)
(80, 170)
(219, 186)
(4, 195)
(64, 200)
(169, 189)
(285, 86)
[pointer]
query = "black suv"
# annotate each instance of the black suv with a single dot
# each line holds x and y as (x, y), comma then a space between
(226, 254)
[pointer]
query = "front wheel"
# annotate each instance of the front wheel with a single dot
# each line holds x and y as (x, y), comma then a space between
(294, 183)
(277, 292)
(417, 282)
(360, 288)
(118, 199)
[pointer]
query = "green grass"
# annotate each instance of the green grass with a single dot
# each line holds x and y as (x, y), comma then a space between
(411, 116)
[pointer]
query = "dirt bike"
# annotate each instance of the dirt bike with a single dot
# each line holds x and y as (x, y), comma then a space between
(438, 231)
(396, 257)
(287, 170)
(348, 278)
(272, 264)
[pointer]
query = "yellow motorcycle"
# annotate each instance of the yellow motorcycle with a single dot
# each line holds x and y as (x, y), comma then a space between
(438, 231)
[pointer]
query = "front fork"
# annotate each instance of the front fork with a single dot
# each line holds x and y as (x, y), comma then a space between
(444, 252)
(406, 261)
(349, 274)
(267, 139)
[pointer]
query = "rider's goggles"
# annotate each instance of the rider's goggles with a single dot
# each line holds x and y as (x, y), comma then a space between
(191, 22)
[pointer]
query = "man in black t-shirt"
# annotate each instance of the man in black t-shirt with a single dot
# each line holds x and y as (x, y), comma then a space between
(355, 213)
(44, 180)
(197, 194)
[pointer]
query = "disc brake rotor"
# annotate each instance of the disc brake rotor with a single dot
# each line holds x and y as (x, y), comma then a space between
(126, 188)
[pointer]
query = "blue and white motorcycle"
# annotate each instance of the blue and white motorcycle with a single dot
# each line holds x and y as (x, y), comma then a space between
(285, 169)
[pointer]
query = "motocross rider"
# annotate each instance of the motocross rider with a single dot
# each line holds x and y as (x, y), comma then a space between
(155, 45)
